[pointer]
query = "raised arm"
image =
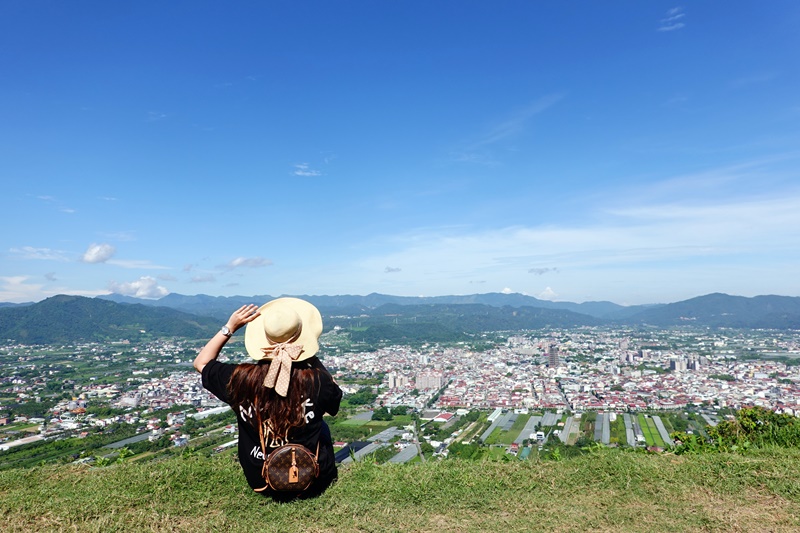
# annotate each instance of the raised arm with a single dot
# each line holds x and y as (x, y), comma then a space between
(210, 351)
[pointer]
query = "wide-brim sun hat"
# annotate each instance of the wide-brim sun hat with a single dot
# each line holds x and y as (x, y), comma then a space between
(287, 321)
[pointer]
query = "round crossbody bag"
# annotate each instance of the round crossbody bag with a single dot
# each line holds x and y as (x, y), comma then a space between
(291, 467)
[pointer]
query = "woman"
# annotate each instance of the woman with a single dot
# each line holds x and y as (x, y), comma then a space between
(280, 398)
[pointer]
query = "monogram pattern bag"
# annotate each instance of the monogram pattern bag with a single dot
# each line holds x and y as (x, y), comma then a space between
(291, 467)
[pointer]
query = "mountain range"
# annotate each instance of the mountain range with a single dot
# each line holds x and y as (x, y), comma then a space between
(115, 317)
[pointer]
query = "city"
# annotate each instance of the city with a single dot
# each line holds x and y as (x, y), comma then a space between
(530, 391)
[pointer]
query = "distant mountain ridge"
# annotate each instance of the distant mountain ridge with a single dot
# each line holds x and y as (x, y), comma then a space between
(722, 310)
(221, 306)
(75, 318)
(711, 310)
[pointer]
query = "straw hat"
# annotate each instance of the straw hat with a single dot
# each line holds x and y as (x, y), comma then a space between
(287, 322)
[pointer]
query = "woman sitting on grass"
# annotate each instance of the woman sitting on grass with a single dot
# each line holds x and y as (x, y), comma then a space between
(281, 398)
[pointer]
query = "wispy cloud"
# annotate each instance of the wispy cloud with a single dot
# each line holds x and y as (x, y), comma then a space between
(46, 254)
(390, 270)
(476, 151)
(155, 116)
(246, 262)
(18, 289)
(49, 199)
(661, 230)
(517, 122)
(144, 287)
(51, 276)
(673, 20)
(119, 235)
(207, 278)
(542, 271)
(753, 79)
(136, 263)
(305, 170)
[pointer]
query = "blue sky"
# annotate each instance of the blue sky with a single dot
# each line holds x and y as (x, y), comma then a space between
(631, 151)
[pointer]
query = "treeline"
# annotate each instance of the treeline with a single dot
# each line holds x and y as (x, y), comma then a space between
(752, 427)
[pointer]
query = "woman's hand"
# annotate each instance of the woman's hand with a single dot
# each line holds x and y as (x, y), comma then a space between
(240, 317)
(243, 315)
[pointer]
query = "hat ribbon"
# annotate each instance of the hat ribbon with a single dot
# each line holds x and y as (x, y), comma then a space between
(280, 369)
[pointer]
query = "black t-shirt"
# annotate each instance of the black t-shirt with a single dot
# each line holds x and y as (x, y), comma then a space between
(323, 399)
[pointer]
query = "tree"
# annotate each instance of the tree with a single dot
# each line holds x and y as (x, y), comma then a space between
(363, 397)
(382, 414)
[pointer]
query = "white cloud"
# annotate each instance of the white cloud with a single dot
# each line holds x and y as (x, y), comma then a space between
(677, 229)
(47, 254)
(17, 289)
(98, 253)
(208, 278)
(144, 287)
(507, 291)
(391, 270)
(547, 294)
(247, 262)
(303, 169)
(50, 276)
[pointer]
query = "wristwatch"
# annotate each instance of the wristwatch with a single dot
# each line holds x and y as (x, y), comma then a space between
(226, 331)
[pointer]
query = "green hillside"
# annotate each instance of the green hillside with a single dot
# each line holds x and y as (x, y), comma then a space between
(64, 319)
(606, 490)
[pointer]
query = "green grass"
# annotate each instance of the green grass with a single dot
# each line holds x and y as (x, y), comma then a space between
(353, 422)
(609, 490)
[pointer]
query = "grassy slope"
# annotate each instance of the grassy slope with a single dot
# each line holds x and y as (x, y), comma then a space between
(609, 490)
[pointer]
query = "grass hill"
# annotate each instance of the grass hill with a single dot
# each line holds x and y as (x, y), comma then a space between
(606, 490)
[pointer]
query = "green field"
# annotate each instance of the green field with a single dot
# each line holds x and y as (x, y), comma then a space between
(353, 422)
(498, 436)
(618, 434)
(651, 434)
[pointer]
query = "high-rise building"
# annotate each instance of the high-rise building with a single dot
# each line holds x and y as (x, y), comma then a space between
(552, 356)
(429, 379)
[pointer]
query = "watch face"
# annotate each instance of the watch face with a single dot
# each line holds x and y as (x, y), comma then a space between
(225, 330)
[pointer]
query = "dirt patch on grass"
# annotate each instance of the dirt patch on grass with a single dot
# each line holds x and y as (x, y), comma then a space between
(755, 511)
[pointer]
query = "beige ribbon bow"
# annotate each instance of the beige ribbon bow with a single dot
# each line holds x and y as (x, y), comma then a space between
(280, 369)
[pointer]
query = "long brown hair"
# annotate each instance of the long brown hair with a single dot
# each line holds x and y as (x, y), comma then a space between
(246, 388)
